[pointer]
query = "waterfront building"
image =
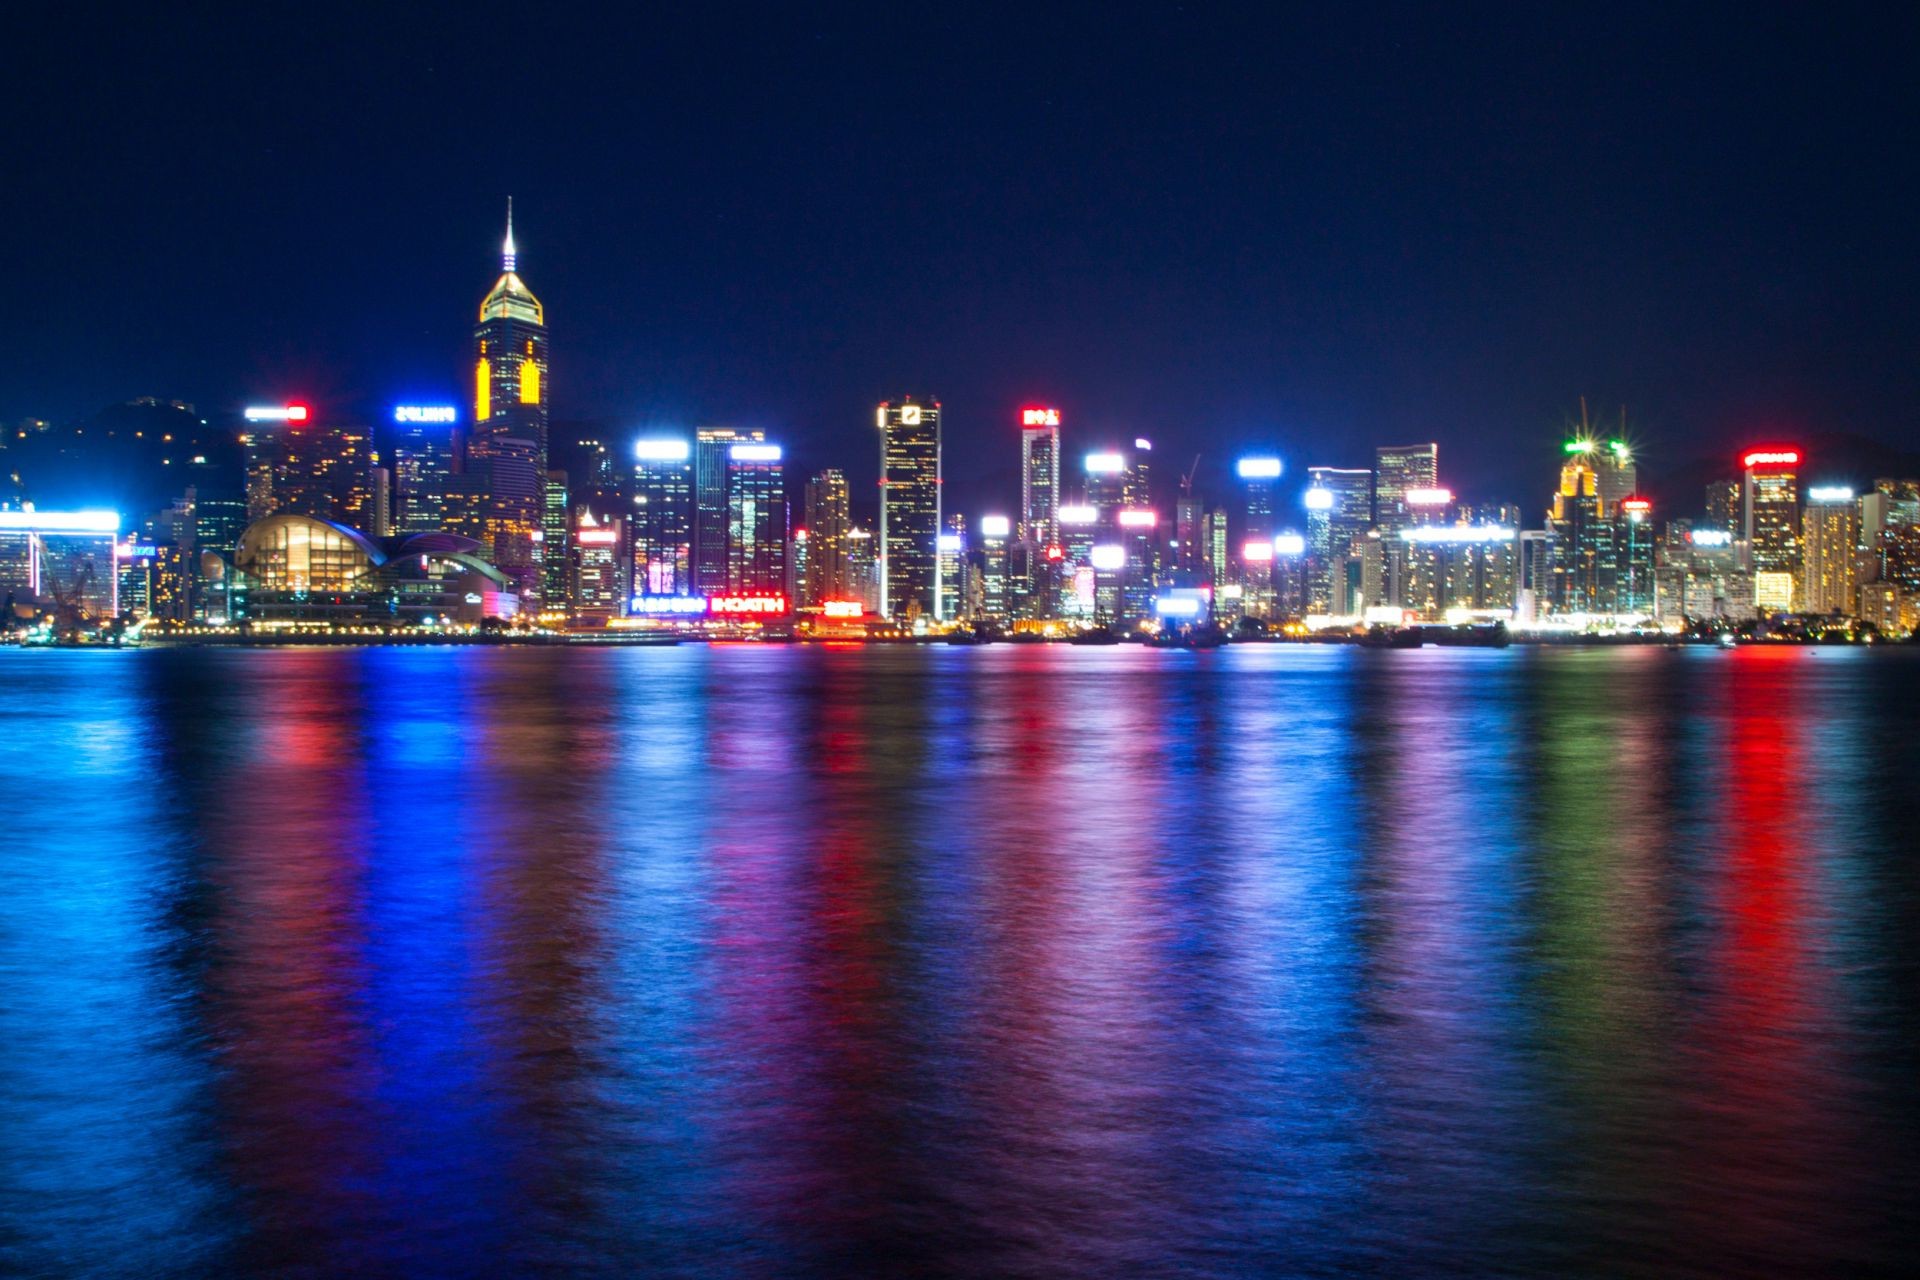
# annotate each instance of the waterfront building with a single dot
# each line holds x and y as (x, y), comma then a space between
(661, 517)
(829, 520)
(291, 567)
(558, 568)
(1339, 503)
(1455, 571)
(995, 588)
(712, 452)
(1040, 476)
(863, 568)
(601, 581)
(1830, 551)
(1397, 469)
(1770, 521)
(756, 520)
(910, 523)
(510, 392)
(64, 561)
(422, 468)
(303, 464)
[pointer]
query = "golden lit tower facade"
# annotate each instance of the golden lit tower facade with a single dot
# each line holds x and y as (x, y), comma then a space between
(1829, 551)
(510, 360)
(1770, 523)
(505, 454)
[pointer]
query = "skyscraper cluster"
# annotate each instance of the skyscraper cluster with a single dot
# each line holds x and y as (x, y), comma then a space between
(469, 515)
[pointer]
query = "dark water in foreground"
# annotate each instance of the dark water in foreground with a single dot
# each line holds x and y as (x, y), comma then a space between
(1011, 961)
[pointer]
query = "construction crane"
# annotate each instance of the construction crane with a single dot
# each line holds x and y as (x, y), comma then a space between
(71, 613)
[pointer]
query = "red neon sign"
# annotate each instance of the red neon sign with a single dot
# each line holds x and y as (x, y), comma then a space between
(296, 413)
(596, 537)
(746, 606)
(842, 608)
(1039, 417)
(1055, 552)
(1635, 504)
(1771, 458)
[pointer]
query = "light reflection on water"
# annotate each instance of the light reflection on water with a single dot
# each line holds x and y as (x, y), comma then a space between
(1018, 960)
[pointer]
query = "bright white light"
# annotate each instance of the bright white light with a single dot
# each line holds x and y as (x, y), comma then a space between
(951, 542)
(1429, 497)
(1108, 558)
(661, 450)
(1137, 519)
(1457, 533)
(1257, 552)
(995, 526)
(424, 413)
(755, 453)
(1259, 468)
(1141, 442)
(1177, 606)
(1105, 464)
(276, 413)
(1832, 493)
(1289, 544)
(1079, 515)
(1319, 500)
(1710, 538)
(61, 521)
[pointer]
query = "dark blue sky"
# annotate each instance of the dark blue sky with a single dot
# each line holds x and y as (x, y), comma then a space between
(1321, 229)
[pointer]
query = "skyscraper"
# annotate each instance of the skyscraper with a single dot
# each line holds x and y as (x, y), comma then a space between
(829, 519)
(909, 508)
(1398, 468)
(558, 565)
(422, 465)
(1830, 551)
(1770, 521)
(756, 520)
(505, 457)
(310, 466)
(1339, 502)
(1040, 476)
(510, 361)
(712, 448)
(662, 518)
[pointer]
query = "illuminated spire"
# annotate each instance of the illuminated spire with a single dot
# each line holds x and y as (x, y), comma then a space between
(507, 254)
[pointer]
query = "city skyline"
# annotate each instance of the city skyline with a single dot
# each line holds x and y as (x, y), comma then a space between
(1271, 264)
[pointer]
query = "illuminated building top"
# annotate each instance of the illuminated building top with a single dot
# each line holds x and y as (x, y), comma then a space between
(510, 299)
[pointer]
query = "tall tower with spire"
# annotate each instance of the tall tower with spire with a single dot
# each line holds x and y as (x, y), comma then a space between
(510, 358)
(505, 454)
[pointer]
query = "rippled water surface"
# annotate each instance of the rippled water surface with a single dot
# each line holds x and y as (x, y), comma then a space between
(768, 961)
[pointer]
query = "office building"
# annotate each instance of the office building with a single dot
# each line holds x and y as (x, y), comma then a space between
(756, 521)
(1829, 551)
(557, 563)
(510, 391)
(1339, 503)
(422, 468)
(1040, 476)
(910, 518)
(829, 522)
(499, 494)
(661, 517)
(1770, 522)
(1398, 469)
(712, 453)
(600, 582)
(304, 464)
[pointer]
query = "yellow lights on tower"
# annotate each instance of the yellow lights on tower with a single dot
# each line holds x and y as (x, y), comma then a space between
(529, 382)
(482, 393)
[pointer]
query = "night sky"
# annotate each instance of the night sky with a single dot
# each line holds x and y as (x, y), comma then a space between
(1319, 231)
